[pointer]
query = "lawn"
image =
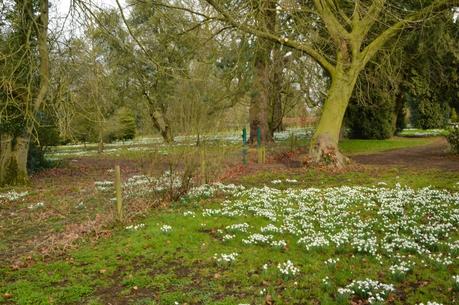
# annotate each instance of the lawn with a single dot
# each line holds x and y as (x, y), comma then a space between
(374, 146)
(292, 236)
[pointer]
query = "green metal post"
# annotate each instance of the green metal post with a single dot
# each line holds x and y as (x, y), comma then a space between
(244, 146)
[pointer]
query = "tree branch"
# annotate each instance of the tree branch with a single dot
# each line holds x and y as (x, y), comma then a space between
(334, 27)
(378, 43)
(316, 55)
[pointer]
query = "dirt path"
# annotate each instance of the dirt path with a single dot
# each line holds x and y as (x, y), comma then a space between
(433, 156)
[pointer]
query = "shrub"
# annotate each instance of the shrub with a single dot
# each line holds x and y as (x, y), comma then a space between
(428, 114)
(127, 124)
(429, 109)
(376, 121)
(453, 138)
(454, 117)
(121, 126)
(47, 135)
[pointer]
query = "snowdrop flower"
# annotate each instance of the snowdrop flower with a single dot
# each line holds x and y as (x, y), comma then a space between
(288, 269)
(456, 282)
(226, 258)
(227, 237)
(238, 227)
(257, 238)
(104, 186)
(80, 205)
(166, 228)
(38, 205)
(280, 244)
(332, 261)
(135, 227)
(401, 269)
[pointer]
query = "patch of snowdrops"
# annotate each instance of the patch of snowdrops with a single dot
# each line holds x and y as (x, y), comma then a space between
(373, 291)
(13, 195)
(142, 185)
(456, 282)
(36, 206)
(226, 259)
(165, 228)
(395, 226)
(287, 269)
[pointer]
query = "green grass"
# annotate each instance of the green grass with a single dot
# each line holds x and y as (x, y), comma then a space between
(375, 146)
(412, 178)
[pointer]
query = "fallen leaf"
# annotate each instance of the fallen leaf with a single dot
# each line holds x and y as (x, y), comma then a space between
(269, 300)
(7, 295)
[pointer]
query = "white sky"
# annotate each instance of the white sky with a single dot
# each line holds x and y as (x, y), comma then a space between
(62, 6)
(59, 9)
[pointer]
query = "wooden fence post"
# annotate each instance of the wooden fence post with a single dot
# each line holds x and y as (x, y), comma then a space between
(263, 155)
(203, 167)
(119, 195)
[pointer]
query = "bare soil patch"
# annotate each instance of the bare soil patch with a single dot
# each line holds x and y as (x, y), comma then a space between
(432, 156)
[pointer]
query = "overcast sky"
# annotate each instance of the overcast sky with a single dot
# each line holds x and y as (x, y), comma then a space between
(62, 6)
(60, 9)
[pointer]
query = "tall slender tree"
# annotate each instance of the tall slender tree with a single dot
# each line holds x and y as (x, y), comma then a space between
(24, 82)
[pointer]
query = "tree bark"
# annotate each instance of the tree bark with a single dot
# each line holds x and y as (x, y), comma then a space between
(13, 159)
(276, 85)
(260, 101)
(100, 145)
(259, 105)
(162, 124)
(324, 143)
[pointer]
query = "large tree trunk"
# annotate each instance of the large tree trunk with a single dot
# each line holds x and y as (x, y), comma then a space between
(259, 104)
(162, 124)
(276, 85)
(324, 143)
(259, 109)
(13, 159)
